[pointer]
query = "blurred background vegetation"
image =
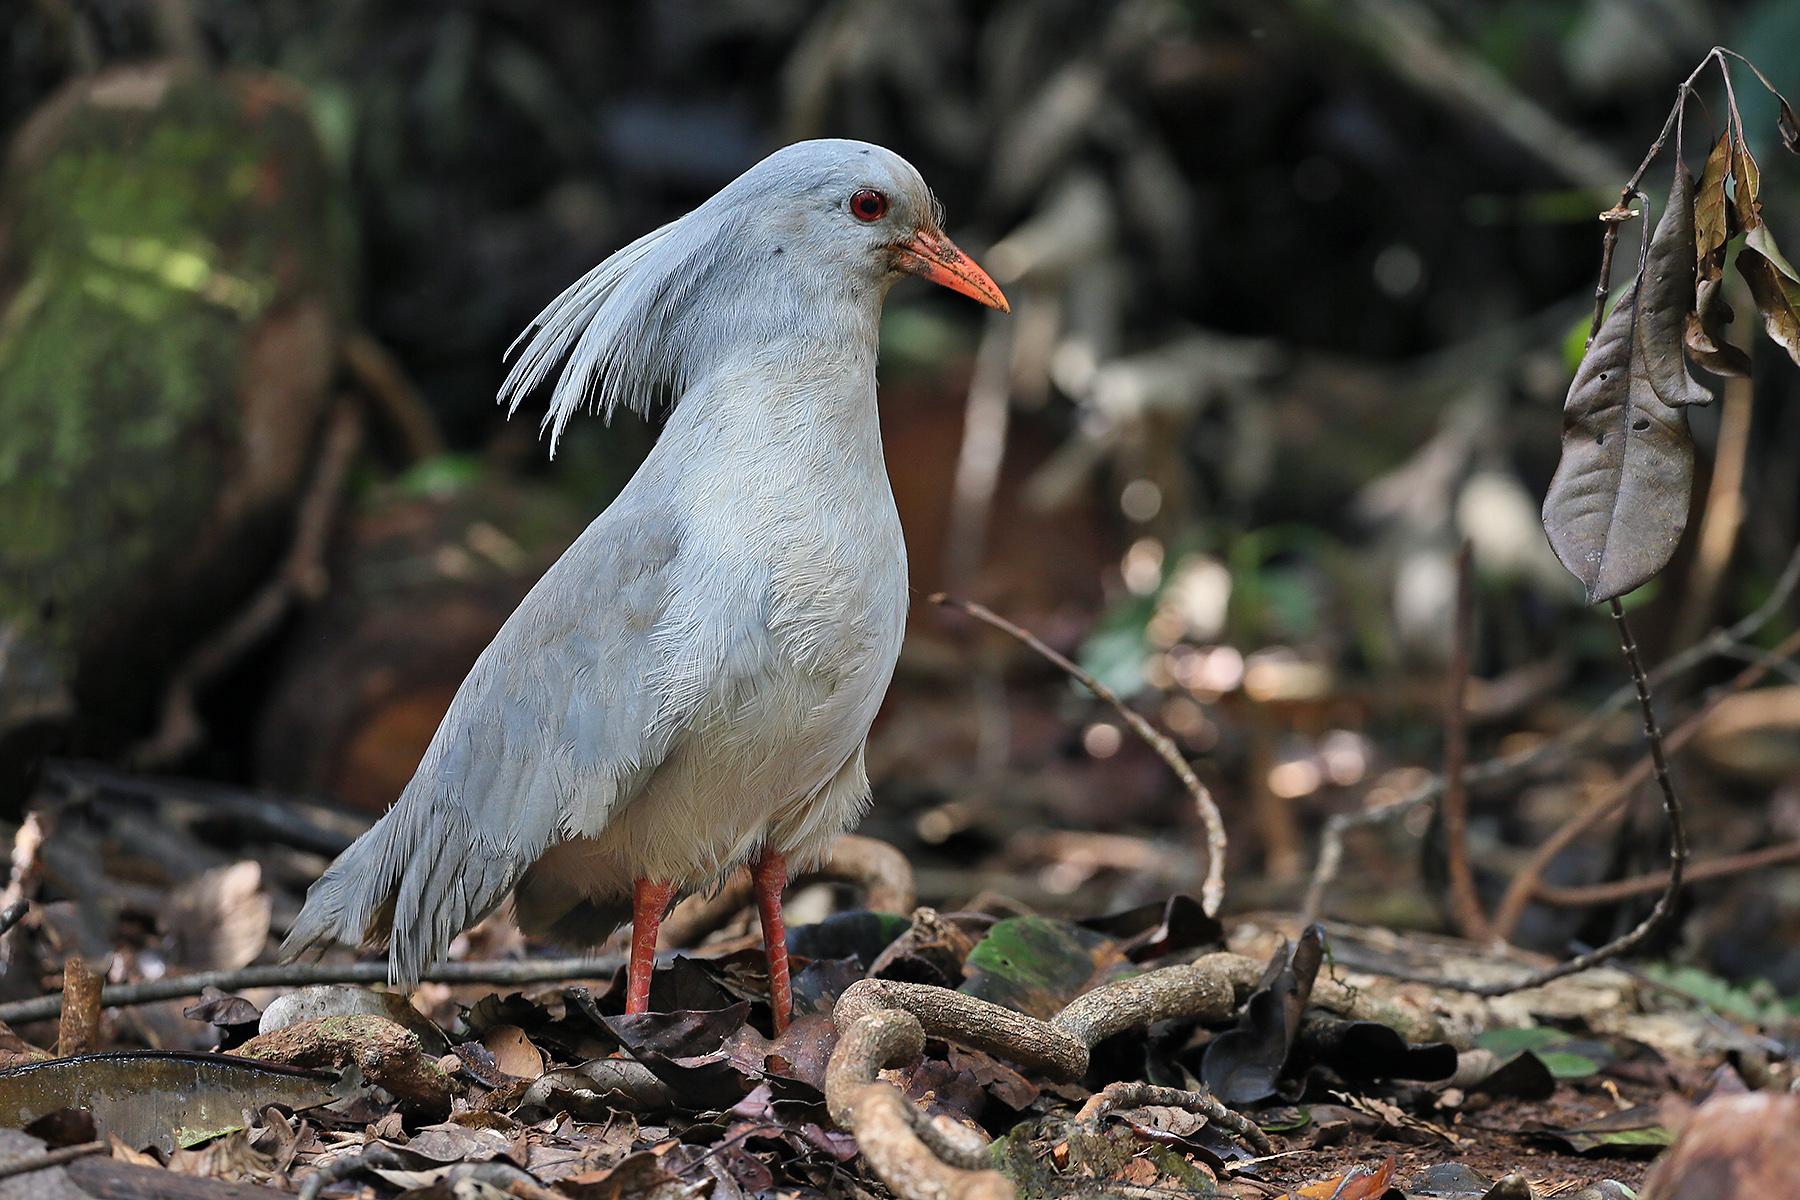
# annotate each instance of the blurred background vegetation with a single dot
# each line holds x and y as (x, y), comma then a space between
(1298, 290)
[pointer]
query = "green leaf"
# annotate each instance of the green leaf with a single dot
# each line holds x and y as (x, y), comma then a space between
(1507, 1042)
(1036, 965)
(1565, 1065)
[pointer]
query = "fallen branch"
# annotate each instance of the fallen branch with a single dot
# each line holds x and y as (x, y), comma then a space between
(1212, 891)
(387, 1053)
(529, 970)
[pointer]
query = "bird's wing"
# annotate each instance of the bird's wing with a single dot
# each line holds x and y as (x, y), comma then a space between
(565, 713)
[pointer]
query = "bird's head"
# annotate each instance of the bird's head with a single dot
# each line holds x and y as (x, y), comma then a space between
(858, 208)
(805, 243)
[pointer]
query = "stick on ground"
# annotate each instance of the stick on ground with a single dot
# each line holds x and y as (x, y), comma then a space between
(528, 970)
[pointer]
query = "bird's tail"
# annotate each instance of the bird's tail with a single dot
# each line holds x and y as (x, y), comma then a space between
(411, 883)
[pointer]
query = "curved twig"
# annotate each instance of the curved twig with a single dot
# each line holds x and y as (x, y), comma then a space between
(1212, 891)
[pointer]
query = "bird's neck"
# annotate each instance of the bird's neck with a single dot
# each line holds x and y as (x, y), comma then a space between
(795, 381)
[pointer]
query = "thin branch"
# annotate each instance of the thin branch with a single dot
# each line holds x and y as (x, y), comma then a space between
(25, 1164)
(1527, 879)
(1465, 904)
(1644, 885)
(529, 970)
(1212, 892)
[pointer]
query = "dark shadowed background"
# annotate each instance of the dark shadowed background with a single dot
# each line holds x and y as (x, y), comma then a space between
(1298, 289)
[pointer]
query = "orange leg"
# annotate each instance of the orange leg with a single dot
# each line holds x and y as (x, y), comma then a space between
(769, 874)
(649, 901)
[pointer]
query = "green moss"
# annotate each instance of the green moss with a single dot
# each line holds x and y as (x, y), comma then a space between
(151, 241)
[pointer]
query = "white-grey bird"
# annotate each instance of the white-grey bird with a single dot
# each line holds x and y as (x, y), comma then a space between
(690, 687)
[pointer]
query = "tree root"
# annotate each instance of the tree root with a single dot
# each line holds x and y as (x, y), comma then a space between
(884, 1023)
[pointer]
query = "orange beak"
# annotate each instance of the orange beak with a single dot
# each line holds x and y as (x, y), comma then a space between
(930, 255)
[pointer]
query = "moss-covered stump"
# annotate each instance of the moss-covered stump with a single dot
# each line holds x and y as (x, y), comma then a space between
(169, 314)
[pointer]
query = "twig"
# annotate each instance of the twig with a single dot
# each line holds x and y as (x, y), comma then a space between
(1212, 891)
(1665, 903)
(1526, 880)
(529, 970)
(25, 1164)
(1644, 885)
(1465, 904)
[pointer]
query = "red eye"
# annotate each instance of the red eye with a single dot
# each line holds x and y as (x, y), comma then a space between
(868, 204)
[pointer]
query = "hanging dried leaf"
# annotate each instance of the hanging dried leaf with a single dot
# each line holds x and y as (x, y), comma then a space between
(1776, 288)
(1618, 503)
(1789, 126)
(1712, 222)
(1746, 185)
(1703, 333)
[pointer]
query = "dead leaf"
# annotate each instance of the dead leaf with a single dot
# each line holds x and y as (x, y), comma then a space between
(1618, 503)
(1773, 282)
(1358, 1183)
(1242, 1065)
(1712, 222)
(1746, 181)
(1731, 1146)
(158, 1097)
(513, 1051)
(218, 919)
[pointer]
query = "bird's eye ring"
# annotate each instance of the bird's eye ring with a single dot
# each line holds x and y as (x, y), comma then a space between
(867, 204)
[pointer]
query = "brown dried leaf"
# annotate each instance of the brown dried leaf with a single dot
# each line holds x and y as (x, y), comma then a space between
(219, 919)
(1618, 503)
(1789, 126)
(1773, 283)
(1703, 332)
(513, 1051)
(1712, 224)
(1747, 183)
